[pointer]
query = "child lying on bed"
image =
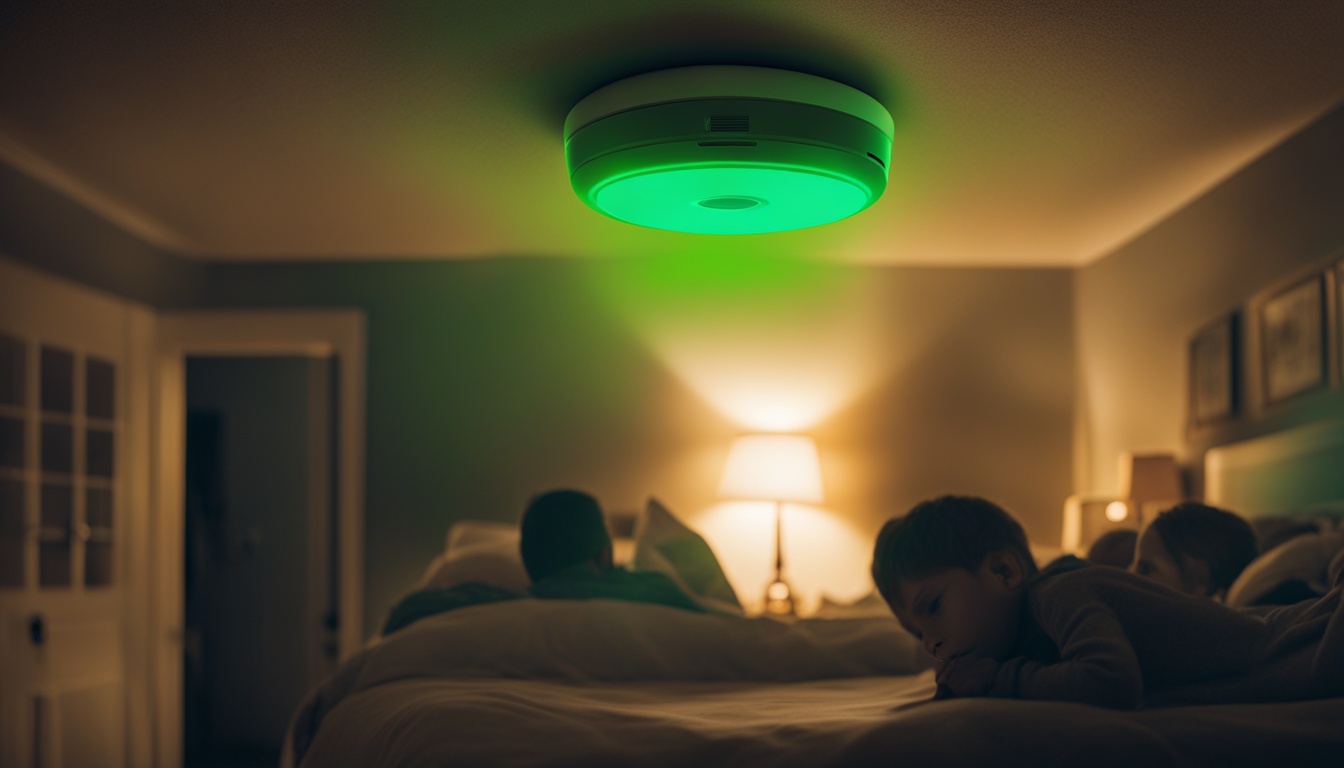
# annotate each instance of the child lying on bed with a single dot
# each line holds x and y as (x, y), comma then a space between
(1196, 549)
(958, 574)
(567, 552)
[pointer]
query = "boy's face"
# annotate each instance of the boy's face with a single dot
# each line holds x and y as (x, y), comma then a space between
(956, 612)
(1153, 560)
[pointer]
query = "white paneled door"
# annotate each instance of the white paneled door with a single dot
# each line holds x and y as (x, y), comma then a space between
(66, 499)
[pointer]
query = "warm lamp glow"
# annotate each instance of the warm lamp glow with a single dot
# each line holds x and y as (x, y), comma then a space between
(1116, 511)
(827, 554)
(777, 383)
(772, 468)
(774, 344)
(776, 468)
(1149, 481)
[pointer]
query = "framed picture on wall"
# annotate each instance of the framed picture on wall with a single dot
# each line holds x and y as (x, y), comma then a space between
(1292, 340)
(1213, 371)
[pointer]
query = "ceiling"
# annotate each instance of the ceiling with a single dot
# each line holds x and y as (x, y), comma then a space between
(1041, 133)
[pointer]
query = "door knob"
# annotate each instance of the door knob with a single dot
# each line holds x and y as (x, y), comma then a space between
(37, 629)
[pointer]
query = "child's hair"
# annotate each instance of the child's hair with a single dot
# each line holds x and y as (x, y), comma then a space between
(561, 528)
(1201, 532)
(1114, 548)
(941, 533)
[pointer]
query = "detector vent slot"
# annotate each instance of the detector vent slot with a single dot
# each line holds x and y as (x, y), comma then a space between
(728, 123)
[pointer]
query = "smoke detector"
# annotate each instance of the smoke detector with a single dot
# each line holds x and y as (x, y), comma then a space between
(728, 150)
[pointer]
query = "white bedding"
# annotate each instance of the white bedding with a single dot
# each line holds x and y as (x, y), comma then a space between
(535, 723)
(593, 683)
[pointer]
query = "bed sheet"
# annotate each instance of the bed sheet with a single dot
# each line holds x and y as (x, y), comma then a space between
(595, 683)
(852, 722)
(657, 723)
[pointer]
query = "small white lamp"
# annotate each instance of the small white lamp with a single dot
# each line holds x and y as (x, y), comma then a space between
(1149, 479)
(776, 468)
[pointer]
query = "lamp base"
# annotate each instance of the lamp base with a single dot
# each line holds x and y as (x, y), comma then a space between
(779, 598)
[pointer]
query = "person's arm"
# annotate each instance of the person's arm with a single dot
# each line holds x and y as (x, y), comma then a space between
(1097, 665)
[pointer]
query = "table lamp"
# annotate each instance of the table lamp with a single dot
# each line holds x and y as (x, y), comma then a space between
(777, 468)
(1148, 480)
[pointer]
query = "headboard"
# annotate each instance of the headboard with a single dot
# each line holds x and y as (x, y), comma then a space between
(1295, 472)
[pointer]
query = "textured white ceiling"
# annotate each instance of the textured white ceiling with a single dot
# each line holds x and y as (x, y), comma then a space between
(1027, 133)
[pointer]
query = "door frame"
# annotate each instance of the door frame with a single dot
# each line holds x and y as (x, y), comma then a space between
(246, 333)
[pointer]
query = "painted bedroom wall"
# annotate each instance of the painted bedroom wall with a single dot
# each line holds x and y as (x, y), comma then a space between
(1137, 308)
(491, 380)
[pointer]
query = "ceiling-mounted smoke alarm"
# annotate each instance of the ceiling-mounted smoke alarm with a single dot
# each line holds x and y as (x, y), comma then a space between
(728, 150)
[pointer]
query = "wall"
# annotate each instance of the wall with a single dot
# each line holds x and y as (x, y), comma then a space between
(48, 230)
(1132, 314)
(492, 379)
(1137, 308)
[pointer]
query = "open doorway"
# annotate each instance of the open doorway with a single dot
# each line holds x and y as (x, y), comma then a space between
(327, 348)
(259, 585)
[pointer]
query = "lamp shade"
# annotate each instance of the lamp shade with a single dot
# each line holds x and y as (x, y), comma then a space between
(772, 468)
(1150, 477)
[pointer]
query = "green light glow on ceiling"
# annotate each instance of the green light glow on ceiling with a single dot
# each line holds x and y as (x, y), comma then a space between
(731, 200)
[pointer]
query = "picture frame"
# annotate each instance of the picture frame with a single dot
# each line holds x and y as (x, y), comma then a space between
(1214, 362)
(1293, 340)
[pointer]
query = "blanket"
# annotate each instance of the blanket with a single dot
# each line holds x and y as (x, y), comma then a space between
(558, 683)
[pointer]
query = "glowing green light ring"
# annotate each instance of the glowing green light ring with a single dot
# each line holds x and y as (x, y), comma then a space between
(820, 203)
(673, 198)
(728, 150)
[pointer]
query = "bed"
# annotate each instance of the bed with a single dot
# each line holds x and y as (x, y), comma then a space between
(607, 683)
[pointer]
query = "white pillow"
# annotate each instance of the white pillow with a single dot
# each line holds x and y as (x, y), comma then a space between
(1304, 558)
(466, 534)
(665, 545)
(482, 552)
(487, 553)
(870, 606)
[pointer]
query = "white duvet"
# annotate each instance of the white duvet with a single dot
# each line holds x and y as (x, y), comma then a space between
(594, 683)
